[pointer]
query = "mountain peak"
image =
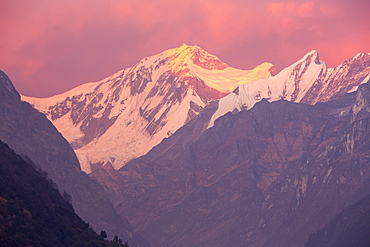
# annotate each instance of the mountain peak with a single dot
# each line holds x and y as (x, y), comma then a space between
(312, 56)
(361, 56)
(7, 89)
(206, 60)
(194, 62)
(312, 52)
(186, 54)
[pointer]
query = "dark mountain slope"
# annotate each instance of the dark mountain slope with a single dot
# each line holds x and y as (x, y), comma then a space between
(32, 212)
(349, 228)
(269, 176)
(30, 133)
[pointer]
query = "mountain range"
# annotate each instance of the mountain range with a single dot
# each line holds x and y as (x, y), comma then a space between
(196, 153)
(307, 81)
(136, 108)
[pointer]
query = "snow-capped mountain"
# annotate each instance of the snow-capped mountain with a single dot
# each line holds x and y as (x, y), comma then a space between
(308, 81)
(124, 115)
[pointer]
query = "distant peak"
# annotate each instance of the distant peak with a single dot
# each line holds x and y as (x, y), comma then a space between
(198, 56)
(198, 48)
(312, 56)
(206, 60)
(312, 52)
(361, 55)
(183, 47)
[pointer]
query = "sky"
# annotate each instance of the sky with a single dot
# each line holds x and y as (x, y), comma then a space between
(50, 46)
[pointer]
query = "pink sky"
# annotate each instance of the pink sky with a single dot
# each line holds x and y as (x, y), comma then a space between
(48, 47)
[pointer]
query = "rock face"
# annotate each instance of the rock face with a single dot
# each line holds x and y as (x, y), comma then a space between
(269, 176)
(31, 134)
(123, 116)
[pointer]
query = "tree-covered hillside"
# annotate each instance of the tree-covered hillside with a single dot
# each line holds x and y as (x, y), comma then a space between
(32, 211)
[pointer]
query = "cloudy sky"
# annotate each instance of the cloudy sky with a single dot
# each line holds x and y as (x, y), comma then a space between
(50, 46)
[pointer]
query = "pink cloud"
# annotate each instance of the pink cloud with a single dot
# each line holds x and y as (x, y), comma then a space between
(295, 9)
(330, 10)
(48, 47)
